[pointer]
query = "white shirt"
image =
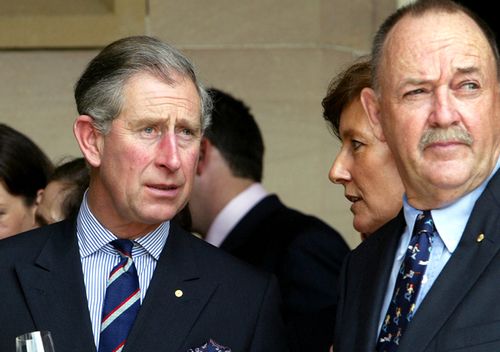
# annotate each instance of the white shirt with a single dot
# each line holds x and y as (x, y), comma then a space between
(233, 212)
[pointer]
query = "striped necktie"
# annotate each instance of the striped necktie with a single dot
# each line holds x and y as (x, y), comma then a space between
(408, 282)
(122, 300)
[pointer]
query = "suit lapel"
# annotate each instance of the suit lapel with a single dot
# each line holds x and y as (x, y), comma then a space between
(175, 298)
(55, 292)
(461, 272)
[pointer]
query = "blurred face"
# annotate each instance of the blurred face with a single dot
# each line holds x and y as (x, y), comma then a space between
(366, 169)
(439, 106)
(146, 163)
(15, 216)
(50, 208)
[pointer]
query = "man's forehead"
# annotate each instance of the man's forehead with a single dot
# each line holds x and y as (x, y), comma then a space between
(152, 91)
(434, 31)
(416, 47)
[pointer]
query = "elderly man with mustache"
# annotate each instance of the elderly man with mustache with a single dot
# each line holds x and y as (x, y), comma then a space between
(428, 279)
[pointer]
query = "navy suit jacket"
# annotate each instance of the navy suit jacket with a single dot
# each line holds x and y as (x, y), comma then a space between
(306, 256)
(42, 288)
(461, 310)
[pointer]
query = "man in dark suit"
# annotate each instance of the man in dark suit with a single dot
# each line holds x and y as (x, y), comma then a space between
(142, 115)
(232, 210)
(428, 280)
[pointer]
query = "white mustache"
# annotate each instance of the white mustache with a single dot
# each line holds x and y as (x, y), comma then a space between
(443, 135)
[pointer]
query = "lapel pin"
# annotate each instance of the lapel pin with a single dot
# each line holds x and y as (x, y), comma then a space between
(178, 293)
(480, 238)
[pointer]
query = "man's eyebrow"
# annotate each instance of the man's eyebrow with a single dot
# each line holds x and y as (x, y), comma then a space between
(147, 121)
(190, 122)
(414, 81)
(419, 81)
(468, 69)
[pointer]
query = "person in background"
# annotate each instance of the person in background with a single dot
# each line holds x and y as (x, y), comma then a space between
(231, 209)
(24, 171)
(365, 165)
(63, 194)
(427, 281)
(122, 275)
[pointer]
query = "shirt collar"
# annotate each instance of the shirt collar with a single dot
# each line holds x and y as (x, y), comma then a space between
(233, 212)
(449, 221)
(92, 236)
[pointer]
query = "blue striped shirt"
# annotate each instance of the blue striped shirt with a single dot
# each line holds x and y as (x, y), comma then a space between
(99, 257)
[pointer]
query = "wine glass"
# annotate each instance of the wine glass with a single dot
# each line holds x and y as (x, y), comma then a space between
(36, 341)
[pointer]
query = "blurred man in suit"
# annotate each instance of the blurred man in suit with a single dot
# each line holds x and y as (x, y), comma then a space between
(231, 210)
(122, 275)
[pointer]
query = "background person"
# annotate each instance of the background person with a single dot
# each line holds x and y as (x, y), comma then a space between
(426, 281)
(63, 194)
(122, 275)
(232, 210)
(24, 171)
(364, 165)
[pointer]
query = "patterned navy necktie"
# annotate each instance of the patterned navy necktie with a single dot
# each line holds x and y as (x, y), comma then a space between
(402, 306)
(122, 300)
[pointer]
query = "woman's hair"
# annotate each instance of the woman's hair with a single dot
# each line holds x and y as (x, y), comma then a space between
(345, 88)
(24, 168)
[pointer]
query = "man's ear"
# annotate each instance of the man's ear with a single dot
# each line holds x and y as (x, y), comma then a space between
(205, 149)
(39, 196)
(89, 139)
(371, 106)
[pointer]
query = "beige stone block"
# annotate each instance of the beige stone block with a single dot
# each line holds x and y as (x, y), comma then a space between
(352, 23)
(278, 74)
(69, 23)
(38, 98)
(195, 23)
(382, 9)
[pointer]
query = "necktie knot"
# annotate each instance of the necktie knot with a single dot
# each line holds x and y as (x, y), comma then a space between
(424, 223)
(124, 247)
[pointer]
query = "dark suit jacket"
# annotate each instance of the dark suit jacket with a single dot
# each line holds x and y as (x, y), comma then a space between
(461, 310)
(42, 288)
(306, 256)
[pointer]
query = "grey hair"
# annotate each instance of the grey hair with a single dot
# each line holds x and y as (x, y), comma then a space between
(98, 92)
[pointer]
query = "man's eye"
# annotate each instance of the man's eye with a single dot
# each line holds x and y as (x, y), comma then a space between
(186, 132)
(470, 86)
(414, 92)
(150, 132)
